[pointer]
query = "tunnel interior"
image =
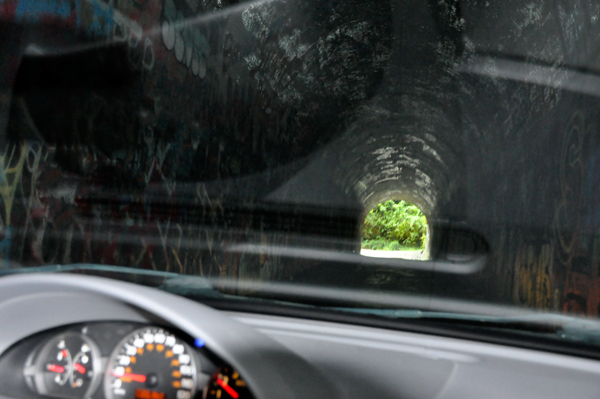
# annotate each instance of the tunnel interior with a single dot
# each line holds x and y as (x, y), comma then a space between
(285, 122)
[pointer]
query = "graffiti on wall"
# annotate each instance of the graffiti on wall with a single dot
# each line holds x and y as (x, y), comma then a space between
(571, 180)
(185, 40)
(53, 224)
(68, 11)
(533, 277)
(577, 220)
(104, 182)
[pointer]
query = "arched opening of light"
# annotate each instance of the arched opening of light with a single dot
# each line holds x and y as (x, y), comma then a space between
(395, 229)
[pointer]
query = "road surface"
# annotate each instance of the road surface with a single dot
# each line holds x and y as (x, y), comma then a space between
(392, 254)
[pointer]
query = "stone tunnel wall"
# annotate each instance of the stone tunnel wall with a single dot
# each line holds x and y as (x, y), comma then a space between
(148, 133)
(208, 124)
(530, 123)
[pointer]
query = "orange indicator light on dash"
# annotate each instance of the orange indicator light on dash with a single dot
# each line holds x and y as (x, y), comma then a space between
(169, 353)
(160, 348)
(150, 347)
(147, 394)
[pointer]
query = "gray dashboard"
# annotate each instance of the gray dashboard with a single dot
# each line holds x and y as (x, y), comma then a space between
(376, 363)
(283, 357)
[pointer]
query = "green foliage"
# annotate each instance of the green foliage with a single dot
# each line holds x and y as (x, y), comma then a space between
(396, 221)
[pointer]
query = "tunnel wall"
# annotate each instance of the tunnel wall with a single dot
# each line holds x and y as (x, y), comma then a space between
(225, 123)
(148, 133)
(530, 123)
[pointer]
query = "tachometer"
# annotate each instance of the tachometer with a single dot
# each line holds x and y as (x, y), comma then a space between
(227, 384)
(151, 363)
(66, 367)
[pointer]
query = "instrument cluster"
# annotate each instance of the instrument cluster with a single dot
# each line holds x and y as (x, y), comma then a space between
(127, 361)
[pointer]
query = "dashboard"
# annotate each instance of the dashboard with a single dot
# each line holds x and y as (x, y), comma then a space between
(119, 360)
(85, 337)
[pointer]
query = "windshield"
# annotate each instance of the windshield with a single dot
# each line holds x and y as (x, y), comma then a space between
(405, 159)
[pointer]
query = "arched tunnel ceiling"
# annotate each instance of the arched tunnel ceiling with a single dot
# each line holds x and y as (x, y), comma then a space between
(369, 106)
(462, 79)
(249, 86)
(377, 158)
(406, 140)
(386, 96)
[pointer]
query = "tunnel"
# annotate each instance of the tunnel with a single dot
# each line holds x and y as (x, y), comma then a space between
(263, 124)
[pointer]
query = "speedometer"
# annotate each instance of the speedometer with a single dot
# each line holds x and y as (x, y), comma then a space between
(151, 363)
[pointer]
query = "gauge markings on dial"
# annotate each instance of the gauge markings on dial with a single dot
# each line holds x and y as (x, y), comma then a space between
(151, 363)
(226, 383)
(66, 366)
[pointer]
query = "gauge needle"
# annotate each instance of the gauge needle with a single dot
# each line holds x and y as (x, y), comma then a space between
(132, 377)
(55, 368)
(79, 368)
(227, 388)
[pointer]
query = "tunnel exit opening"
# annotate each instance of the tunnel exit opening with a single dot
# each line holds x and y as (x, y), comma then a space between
(395, 229)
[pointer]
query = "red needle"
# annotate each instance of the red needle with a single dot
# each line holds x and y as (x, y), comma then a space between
(227, 389)
(55, 368)
(132, 377)
(79, 368)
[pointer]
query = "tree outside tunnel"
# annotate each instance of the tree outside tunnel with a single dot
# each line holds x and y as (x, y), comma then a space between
(395, 228)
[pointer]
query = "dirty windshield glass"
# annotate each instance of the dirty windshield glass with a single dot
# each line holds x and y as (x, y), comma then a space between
(399, 156)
